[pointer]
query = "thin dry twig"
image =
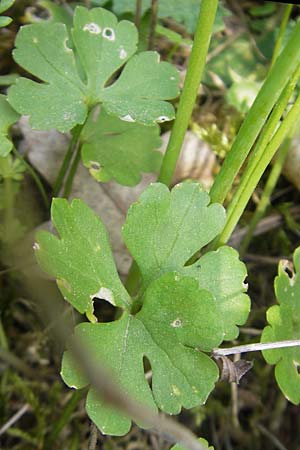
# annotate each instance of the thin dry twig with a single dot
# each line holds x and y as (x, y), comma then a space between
(255, 347)
(14, 418)
(93, 437)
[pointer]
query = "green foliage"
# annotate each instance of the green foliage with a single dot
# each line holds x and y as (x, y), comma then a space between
(4, 5)
(203, 442)
(183, 11)
(179, 311)
(82, 260)
(242, 94)
(114, 149)
(11, 168)
(72, 86)
(7, 117)
(284, 324)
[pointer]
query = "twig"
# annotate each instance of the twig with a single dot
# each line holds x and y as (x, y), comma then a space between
(93, 437)
(271, 436)
(255, 347)
(14, 418)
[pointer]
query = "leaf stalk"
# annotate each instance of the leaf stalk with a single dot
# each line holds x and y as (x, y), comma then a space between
(190, 89)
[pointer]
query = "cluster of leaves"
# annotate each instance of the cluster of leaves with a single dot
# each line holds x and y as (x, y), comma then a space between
(5, 5)
(180, 313)
(182, 11)
(78, 71)
(284, 324)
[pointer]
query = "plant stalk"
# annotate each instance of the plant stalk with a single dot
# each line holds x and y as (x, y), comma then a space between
(67, 160)
(190, 89)
(284, 22)
(282, 70)
(282, 153)
(35, 177)
(255, 169)
(266, 195)
(72, 171)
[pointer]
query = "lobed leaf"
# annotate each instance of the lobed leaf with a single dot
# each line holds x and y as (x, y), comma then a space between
(284, 324)
(176, 317)
(81, 260)
(114, 149)
(73, 80)
(7, 117)
(180, 313)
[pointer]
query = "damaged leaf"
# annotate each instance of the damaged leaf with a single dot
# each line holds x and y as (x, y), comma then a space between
(284, 324)
(71, 85)
(119, 150)
(163, 331)
(81, 260)
(174, 320)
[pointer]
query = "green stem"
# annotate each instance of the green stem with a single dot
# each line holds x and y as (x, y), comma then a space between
(283, 69)
(153, 22)
(190, 89)
(67, 159)
(284, 22)
(265, 199)
(254, 172)
(72, 172)
(186, 104)
(35, 178)
(64, 418)
(266, 195)
(138, 13)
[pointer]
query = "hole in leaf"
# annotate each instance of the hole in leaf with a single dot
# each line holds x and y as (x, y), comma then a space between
(297, 365)
(108, 33)
(105, 311)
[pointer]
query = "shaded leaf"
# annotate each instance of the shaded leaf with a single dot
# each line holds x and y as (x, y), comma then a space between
(4, 5)
(7, 117)
(70, 87)
(183, 11)
(203, 442)
(284, 324)
(114, 149)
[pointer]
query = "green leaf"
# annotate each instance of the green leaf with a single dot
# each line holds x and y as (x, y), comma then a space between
(114, 149)
(7, 117)
(71, 87)
(164, 230)
(242, 94)
(223, 274)
(180, 312)
(203, 442)
(5, 4)
(81, 260)
(56, 13)
(175, 318)
(284, 324)
(4, 21)
(183, 11)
